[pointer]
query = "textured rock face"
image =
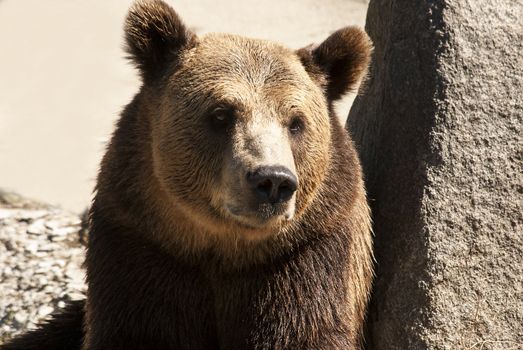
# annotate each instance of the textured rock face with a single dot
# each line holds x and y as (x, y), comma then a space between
(440, 134)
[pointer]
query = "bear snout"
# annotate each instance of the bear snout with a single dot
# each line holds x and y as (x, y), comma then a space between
(272, 184)
(263, 197)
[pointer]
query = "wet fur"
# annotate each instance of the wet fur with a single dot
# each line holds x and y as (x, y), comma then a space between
(161, 272)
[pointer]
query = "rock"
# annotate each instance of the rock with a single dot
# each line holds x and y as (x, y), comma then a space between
(6, 213)
(40, 262)
(30, 215)
(6, 272)
(44, 310)
(9, 245)
(20, 319)
(13, 200)
(31, 247)
(36, 228)
(439, 130)
(10, 232)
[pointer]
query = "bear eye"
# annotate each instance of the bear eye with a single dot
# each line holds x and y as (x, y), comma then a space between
(297, 125)
(221, 118)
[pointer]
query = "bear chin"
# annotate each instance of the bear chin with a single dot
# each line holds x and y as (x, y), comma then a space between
(264, 216)
(256, 227)
(223, 225)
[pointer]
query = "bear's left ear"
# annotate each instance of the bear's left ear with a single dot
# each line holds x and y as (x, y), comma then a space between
(340, 62)
(155, 36)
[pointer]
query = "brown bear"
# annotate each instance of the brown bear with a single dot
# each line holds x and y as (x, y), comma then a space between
(230, 210)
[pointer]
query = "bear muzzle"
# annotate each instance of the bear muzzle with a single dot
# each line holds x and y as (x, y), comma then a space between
(272, 184)
(266, 197)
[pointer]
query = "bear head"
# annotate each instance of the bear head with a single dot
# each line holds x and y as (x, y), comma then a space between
(240, 128)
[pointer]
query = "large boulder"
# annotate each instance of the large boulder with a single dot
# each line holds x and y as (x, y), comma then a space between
(439, 130)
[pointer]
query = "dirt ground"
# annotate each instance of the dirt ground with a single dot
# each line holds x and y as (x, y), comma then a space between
(64, 79)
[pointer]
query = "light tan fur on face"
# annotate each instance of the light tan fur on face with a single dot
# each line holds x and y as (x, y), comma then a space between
(204, 174)
(257, 142)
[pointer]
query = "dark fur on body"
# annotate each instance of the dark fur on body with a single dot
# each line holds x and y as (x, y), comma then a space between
(158, 280)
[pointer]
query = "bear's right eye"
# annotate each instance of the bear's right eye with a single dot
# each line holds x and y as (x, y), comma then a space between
(296, 126)
(221, 119)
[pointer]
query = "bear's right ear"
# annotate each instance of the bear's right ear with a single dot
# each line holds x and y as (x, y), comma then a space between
(155, 36)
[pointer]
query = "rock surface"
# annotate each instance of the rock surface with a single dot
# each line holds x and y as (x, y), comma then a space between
(440, 134)
(40, 262)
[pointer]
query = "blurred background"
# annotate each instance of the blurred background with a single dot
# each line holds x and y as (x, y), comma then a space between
(64, 78)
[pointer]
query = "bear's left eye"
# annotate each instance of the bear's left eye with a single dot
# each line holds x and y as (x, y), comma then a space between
(221, 118)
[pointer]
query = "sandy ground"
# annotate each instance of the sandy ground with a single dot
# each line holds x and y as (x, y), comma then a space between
(64, 79)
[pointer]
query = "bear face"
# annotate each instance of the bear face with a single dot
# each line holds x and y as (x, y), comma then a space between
(240, 128)
(237, 147)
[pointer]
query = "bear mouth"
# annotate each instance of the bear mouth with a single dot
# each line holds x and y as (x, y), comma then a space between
(262, 217)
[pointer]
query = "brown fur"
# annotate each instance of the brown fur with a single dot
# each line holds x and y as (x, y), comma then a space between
(168, 265)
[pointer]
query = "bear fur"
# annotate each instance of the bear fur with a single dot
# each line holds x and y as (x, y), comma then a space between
(171, 263)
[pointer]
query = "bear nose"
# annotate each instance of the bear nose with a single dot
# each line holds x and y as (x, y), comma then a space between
(273, 184)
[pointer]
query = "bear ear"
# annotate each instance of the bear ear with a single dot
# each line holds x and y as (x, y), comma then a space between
(155, 35)
(340, 62)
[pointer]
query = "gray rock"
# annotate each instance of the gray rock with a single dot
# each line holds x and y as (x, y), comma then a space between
(36, 228)
(44, 310)
(9, 245)
(439, 130)
(31, 247)
(10, 199)
(20, 319)
(40, 262)
(30, 215)
(6, 214)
